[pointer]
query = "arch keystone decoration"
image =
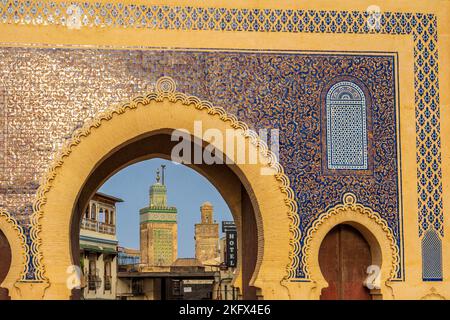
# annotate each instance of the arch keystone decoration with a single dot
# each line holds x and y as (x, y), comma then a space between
(371, 225)
(161, 109)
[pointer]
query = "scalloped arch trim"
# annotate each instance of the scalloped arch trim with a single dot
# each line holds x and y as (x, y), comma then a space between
(165, 89)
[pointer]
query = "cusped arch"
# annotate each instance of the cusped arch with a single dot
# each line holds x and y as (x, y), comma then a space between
(370, 224)
(164, 108)
(17, 241)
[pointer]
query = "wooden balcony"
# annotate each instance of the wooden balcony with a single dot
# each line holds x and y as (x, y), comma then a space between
(97, 226)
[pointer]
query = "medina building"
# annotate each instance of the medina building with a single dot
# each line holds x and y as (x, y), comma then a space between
(356, 95)
(98, 248)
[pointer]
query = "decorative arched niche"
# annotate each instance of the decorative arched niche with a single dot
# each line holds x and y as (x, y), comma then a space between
(374, 229)
(346, 121)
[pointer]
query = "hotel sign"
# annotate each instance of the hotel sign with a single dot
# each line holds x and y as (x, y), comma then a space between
(228, 226)
(230, 243)
(231, 249)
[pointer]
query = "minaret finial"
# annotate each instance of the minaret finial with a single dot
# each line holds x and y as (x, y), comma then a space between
(157, 175)
(163, 166)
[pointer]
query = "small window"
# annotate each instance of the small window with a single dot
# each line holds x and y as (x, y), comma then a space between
(94, 212)
(107, 275)
(101, 215)
(92, 275)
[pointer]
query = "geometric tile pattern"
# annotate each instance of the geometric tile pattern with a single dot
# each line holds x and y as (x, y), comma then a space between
(163, 247)
(157, 217)
(422, 27)
(346, 127)
(431, 256)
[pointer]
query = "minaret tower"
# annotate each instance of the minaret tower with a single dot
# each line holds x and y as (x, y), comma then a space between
(206, 235)
(158, 227)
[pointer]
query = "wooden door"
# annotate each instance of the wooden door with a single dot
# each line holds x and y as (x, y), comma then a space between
(343, 258)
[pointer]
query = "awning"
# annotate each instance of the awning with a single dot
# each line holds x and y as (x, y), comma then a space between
(93, 248)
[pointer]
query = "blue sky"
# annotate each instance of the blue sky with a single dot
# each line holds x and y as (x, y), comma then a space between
(186, 190)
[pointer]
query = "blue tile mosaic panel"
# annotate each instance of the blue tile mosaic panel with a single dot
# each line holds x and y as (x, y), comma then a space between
(346, 127)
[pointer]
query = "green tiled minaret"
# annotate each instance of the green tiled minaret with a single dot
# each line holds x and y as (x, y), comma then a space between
(158, 226)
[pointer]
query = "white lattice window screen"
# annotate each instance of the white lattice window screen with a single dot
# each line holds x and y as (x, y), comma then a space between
(346, 114)
(431, 256)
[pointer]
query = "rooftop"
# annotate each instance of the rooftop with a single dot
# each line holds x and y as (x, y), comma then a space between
(107, 197)
(187, 262)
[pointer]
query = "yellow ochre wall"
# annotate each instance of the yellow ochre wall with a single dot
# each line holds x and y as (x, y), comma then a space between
(121, 38)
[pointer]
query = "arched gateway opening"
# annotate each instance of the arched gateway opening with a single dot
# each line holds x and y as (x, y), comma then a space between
(261, 203)
(159, 144)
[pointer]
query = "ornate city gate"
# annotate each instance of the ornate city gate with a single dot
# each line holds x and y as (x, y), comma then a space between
(355, 92)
